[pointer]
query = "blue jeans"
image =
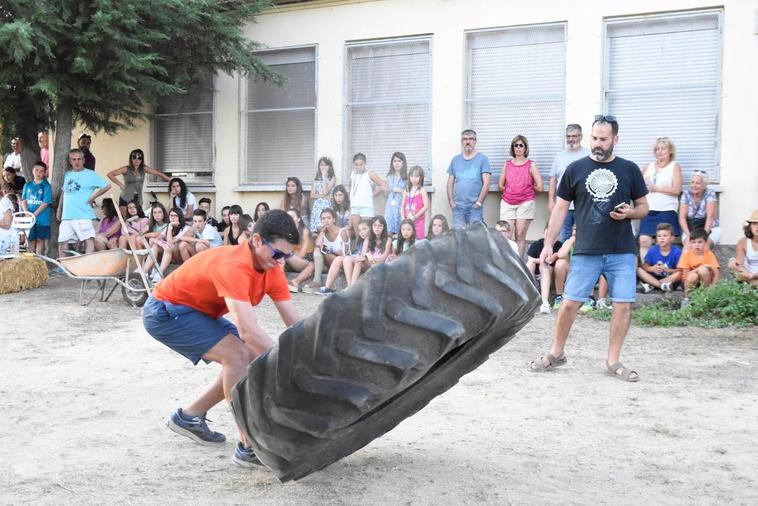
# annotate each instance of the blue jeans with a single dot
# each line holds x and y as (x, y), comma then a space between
(620, 270)
(568, 223)
(465, 213)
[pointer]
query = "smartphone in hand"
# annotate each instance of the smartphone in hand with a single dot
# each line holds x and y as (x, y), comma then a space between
(621, 206)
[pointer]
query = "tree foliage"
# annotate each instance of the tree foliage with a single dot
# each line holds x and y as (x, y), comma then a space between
(109, 62)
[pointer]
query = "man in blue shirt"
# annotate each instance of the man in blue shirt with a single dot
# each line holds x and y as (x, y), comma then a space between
(36, 199)
(468, 182)
(80, 189)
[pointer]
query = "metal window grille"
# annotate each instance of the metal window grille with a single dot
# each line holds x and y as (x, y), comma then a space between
(388, 103)
(516, 85)
(663, 78)
(184, 135)
(279, 127)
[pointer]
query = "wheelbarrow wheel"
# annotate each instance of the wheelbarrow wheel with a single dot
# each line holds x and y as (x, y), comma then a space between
(378, 352)
(136, 294)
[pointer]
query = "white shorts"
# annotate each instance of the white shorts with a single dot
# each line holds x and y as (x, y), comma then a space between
(523, 211)
(363, 212)
(75, 230)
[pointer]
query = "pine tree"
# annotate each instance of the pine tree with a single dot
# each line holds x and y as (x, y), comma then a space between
(105, 64)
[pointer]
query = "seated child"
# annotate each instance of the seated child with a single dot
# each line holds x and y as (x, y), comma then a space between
(205, 204)
(203, 237)
(404, 241)
(437, 227)
(504, 228)
(659, 269)
(745, 266)
(302, 261)
(698, 264)
(544, 269)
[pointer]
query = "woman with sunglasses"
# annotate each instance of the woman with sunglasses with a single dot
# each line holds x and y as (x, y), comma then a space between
(133, 178)
(518, 183)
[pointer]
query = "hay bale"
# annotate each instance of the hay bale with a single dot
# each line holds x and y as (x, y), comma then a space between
(22, 273)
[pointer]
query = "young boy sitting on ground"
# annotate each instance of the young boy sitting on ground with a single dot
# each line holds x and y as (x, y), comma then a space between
(698, 264)
(659, 269)
(203, 236)
(205, 204)
(504, 228)
(543, 272)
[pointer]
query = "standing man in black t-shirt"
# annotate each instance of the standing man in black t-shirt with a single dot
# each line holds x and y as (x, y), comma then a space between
(601, 187)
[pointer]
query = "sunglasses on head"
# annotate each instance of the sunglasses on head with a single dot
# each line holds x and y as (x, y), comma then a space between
(605, 118)
(278, 254)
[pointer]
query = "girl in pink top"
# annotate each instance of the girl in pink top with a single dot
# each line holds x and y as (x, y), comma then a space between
(518, 183)
(416, 201)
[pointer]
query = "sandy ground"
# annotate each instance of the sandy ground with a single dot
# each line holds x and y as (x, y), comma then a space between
(84, 394)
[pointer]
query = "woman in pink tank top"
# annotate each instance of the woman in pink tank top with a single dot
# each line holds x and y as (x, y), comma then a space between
(518, 183)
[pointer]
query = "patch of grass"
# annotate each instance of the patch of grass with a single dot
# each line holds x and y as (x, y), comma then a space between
(727, 304)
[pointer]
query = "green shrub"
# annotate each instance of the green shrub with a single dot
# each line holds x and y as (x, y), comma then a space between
(726, 304)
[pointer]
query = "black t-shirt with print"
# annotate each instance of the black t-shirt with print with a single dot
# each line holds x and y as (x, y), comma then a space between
(596, 188)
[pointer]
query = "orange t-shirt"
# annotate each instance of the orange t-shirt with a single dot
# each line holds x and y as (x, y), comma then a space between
(204, 280)
(689, 260)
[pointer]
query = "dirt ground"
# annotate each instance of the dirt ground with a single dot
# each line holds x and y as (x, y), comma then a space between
(84, 394)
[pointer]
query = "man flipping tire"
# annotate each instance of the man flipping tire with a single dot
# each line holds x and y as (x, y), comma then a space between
(185, 312)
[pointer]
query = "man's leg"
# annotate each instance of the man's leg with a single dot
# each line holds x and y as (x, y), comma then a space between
(620, 320)
(566, 316)
(546, 274)
(459, 216)
(212, 396)
(619, 270)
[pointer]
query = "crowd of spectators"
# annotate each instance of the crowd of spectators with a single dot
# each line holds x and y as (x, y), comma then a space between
(341, 232)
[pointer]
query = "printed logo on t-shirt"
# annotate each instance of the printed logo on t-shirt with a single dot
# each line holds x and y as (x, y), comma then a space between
(72, 186)
(601, 184)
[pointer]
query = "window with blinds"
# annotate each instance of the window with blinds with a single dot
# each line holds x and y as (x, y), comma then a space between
(516, 85)
(184, 135)
(388, 103)
(663, 79)
(279, 126)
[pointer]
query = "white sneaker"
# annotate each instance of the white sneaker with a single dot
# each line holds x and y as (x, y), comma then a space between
(603, 304)
(666, 287)
(646, 288)
(545, 307)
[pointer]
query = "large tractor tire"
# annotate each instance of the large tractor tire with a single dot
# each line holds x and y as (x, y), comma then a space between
(375, 354)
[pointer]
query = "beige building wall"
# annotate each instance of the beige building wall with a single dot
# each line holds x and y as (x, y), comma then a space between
(330, 24)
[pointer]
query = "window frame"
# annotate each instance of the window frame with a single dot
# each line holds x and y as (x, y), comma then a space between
(243, 111)
(466, 99)
(714, 174)
(347, 157)
(156, 185)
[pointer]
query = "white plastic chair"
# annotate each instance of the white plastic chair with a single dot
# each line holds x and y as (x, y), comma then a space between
(22, 223)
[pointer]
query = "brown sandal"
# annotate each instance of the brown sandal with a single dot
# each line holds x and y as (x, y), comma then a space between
(539, 365)
(624, 374)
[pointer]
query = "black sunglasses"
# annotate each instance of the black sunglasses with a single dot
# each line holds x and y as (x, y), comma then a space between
(278, 254)
(605, 118)
(519, 145)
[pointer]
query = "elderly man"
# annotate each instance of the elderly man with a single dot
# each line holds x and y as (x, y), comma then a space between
(80, 189)
(573, 152)
(468, 181)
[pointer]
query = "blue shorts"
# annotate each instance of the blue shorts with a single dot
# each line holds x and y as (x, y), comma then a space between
(185, 330)
(620, 270)
(39, 232)
(649, 223)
